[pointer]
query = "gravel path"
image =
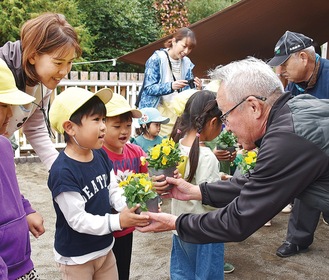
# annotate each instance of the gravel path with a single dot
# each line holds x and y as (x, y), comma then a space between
(253, 258)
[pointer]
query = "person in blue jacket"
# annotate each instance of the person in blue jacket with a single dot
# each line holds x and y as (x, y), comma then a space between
(307, 72)
(167, 72)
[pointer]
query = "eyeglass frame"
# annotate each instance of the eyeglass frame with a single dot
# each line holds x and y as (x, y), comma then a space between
(223, 117)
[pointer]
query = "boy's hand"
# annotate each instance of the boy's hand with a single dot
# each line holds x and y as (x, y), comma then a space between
(35, 222)
(128, 218)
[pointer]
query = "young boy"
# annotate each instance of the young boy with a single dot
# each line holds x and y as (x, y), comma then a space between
(17, 215)
(125, 156)
(84, 188)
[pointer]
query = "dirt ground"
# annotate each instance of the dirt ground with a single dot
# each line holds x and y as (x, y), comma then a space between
(253, 258)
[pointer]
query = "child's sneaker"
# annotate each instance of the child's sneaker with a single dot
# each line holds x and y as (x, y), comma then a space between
(228, 268)
(287, 209)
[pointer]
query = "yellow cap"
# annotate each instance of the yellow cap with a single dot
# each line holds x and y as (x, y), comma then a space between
(9, 93)
(70, 100)
(118, 105)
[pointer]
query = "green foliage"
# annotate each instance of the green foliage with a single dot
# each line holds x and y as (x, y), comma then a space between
(137, 188)
(13, 14)
(110, 28)
(199, 9)
(226, 139)
(118, 28)
(246, 160)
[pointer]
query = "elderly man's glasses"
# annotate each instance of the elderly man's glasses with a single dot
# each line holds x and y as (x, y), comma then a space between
(223, 117)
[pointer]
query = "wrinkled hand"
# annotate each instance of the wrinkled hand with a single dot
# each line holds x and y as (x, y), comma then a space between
(160, 222)
(128, 218)
(183, 190)
(35, 222)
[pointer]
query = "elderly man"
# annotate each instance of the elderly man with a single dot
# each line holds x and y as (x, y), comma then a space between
(306, 73)
(258, 111)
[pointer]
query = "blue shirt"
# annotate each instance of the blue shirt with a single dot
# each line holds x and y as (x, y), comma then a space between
(91, 180)
(155, 79)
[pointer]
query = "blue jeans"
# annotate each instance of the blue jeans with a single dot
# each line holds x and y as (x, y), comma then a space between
(196, 261)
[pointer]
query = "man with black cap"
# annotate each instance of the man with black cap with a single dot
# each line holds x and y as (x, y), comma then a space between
(306, 72)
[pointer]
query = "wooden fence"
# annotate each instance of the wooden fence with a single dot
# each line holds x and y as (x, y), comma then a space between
(126, 84)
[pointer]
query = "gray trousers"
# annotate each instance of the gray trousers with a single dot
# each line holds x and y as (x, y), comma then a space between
(302, 224)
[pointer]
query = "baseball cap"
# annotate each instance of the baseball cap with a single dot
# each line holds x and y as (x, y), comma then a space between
(289, 43)
(118, 105)
(9, 93)
(70, 100)
(152, 115)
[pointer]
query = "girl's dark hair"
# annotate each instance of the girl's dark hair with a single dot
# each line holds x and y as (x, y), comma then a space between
(92, 107)
(180, 35)
(199, 109)
(46, 34)
(143, 128)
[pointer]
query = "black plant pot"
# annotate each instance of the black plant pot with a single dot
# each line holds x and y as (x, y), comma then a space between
(168, 172)
(152, 205)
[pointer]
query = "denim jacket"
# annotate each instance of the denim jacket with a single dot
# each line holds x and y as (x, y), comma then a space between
(158, 78)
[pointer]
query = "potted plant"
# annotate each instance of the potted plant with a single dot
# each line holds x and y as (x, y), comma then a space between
(163, 158)
(246, 160)
(138, 189)
(226, 140)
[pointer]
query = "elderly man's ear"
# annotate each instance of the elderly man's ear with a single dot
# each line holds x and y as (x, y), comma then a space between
(256, 106)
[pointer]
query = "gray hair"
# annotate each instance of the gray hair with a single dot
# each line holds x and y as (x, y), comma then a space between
(310, 51)
(246, 77)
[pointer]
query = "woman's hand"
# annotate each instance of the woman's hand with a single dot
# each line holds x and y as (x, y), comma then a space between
(198, 83)
(178, 84)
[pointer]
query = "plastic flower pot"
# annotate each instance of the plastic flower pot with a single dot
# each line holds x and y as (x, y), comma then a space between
(168, 172)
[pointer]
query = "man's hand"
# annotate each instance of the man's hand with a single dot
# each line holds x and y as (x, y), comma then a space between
(183, 190)
(160, 222)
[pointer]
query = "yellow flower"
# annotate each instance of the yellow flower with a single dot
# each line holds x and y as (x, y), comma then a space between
(171, 142)
(248, 160)
(155, 153)
(166, 150)
(143, 181)
(148, 186)
(164, 160)
(252, 154)
(138, 188)
(164, 155)
(123, 183)
(164, 142)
